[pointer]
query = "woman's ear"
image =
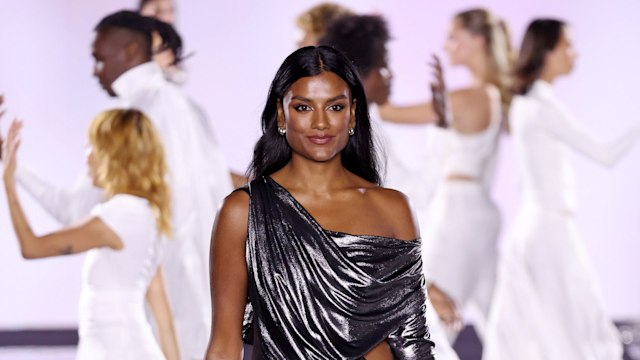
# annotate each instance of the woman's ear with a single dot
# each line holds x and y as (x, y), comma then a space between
(280, 114)
(352, 121)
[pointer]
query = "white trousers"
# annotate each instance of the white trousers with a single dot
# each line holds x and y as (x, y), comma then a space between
(459, 245)
(548, 304)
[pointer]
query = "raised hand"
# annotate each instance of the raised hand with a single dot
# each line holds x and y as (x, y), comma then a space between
(439, 94)
(445, 307)
(9, 149)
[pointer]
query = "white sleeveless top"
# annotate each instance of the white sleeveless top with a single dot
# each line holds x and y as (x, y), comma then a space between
(474, 154)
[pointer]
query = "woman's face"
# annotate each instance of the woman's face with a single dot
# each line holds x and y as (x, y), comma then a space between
(461, 44)
(561, 60)
(317, 113)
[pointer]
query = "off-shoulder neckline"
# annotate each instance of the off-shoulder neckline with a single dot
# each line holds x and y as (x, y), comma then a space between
(333, 232)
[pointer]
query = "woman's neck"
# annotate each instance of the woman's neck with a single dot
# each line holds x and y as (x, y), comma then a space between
(479, 71)
(547, 76)
(313, 176)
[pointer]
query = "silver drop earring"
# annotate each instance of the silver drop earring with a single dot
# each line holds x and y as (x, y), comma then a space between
(352, 131)
(282, 131)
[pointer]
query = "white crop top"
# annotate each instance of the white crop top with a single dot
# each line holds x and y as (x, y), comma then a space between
(474, 154)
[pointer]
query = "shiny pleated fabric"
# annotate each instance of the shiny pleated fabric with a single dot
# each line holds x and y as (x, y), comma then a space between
(318, 294)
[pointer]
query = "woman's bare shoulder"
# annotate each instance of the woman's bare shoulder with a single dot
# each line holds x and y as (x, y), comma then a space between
(471, 108)
(234, 212)
(396, 207)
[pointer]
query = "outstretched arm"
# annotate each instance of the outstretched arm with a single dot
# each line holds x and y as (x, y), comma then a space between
(66, 206)
(562, 125)
(159, 304)
(90, 234)
(228, 278)
(435, 112)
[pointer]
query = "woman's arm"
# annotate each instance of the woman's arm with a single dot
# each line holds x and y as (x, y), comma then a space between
(422, 113)
(228, 278)
(90, 234)
(159, 304)
(561, 123)
(435, 112)
(66, 205)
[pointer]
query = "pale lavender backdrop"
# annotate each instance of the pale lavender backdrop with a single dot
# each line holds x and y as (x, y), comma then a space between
(45, 73)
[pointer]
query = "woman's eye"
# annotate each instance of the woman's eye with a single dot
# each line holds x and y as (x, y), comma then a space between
(302, 107)
(336, 107)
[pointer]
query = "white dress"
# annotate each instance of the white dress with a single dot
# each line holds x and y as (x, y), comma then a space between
(199, 179)
(113, 324)
(547, 303)
(463, 222)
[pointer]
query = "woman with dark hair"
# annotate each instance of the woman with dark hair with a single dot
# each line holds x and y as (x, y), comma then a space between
(325, 260)
(547, 302)
(463, 221)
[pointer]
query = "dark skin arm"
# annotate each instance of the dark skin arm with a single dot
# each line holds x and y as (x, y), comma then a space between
(228, 278)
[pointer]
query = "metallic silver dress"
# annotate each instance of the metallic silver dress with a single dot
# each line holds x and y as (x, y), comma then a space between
(318, 294)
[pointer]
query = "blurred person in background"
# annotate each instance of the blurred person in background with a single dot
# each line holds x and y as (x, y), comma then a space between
(548, 304)
(167, 48)
(166, 41)
(315, 21)
(122, 237)
(463, 223)
(198, 174)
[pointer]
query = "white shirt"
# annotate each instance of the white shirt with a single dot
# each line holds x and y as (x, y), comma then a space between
(543, 132)
(199, 181)
(113, 323)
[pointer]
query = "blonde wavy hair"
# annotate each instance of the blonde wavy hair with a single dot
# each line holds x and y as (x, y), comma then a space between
(317, 19)
(499, 53)
(131, 160)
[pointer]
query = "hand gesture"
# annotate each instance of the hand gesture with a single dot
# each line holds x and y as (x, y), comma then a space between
(439, 94)
(445, 307)
(9, 148)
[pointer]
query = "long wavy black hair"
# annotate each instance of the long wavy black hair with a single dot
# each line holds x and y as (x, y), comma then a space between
(272, 152)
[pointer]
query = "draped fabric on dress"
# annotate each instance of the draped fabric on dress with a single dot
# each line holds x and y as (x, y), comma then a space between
(319, 294)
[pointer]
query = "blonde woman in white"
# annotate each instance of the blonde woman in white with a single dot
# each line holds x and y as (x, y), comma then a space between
(122, 238)
(461, 231)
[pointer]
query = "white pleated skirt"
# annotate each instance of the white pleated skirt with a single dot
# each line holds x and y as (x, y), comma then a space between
(548, 303)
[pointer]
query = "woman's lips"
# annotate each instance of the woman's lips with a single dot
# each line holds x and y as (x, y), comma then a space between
(320, 140)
